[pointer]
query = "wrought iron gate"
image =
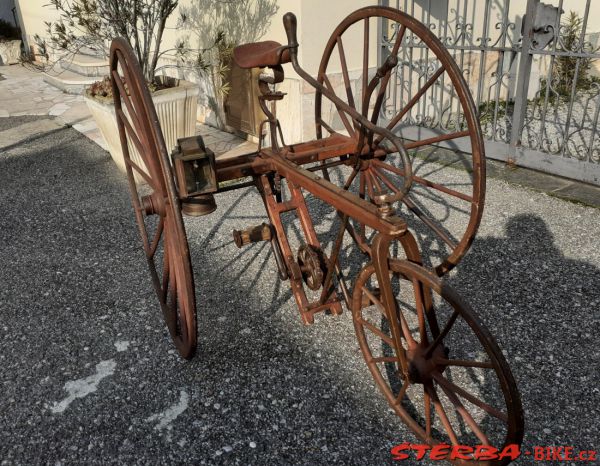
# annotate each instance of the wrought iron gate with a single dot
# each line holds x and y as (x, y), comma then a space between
(531, 68)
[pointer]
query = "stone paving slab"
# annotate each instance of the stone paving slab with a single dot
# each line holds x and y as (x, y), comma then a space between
(24, 92)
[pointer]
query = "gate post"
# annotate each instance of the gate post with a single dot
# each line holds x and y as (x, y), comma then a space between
(523, 76)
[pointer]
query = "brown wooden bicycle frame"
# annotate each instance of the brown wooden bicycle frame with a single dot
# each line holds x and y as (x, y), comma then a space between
(261, 165)
(334, 150)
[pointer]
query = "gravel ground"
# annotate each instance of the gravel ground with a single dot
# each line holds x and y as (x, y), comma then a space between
(89, 375)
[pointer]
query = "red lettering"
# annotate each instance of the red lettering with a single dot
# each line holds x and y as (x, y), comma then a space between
(569, 454)
(421, 450)
(461, 452)
(439, 452)
(485, 453)
(591, 455)
(538, 453)
(397, 451)
(510, 451)
(557, 453)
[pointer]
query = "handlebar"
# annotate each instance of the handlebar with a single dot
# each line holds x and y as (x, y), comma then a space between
(291, 25)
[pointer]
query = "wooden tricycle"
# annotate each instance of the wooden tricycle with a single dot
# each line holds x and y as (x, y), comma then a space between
(435, 362)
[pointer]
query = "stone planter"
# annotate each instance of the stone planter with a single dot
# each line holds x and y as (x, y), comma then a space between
(176, 108)
(10, 52)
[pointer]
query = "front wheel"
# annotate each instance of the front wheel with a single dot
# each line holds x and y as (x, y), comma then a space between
(457, 388)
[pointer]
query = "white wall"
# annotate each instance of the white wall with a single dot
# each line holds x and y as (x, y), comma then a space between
(31, 15)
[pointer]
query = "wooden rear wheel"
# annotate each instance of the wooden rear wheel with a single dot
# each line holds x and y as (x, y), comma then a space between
(457, 388)
(445, 201)
(156, 205)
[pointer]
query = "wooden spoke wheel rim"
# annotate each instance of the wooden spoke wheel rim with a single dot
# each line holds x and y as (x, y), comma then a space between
(384, 173)
(156, 205)
(445, 399)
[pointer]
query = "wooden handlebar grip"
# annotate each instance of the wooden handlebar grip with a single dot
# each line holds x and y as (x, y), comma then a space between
(291, 24)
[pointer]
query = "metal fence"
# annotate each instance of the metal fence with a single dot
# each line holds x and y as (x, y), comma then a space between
(532, 68)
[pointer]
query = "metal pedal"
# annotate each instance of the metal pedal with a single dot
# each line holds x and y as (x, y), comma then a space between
(253, 234)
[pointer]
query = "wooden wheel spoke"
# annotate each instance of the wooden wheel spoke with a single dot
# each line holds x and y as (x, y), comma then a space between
(345, 75)
(460, 409)
(385, 180)
(365, 69)
(442, 334)
(141, 149)
(465, 363)
(402, 392)
(377, 332)
(418, 290)
(442, 381)
(429, 222)
(384, 359)
(441, 412)
(436, 139)
(340, 110)
(411, 103)
(166, 273)
(375, 181)
(125, 98)
(135, 84)
(423, 181)
(159, 229)
(386, 78)
(375, 300)
(369, 183)
(403, 323)
(351, 179)
(427, 403)
(329, 129)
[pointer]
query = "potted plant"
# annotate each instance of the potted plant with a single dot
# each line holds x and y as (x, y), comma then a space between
(10, 43)
(92, 25)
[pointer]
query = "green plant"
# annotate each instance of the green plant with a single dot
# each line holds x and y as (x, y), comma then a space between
(8, 31)
(95, 23)
(102, 90)
(564, 67)
(487, 109)
(215, 27)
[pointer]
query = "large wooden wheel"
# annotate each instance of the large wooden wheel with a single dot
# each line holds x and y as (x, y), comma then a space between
(458, 389)
(424, 98)
(156, 205)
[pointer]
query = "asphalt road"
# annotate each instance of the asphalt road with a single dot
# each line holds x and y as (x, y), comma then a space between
(89, 376)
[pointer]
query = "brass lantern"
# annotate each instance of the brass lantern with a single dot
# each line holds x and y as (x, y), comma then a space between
(196, 176)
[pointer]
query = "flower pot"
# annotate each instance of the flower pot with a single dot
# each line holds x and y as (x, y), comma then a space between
(176, 108)
(10, 52)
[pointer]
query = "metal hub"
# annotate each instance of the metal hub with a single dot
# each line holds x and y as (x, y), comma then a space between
(153, 205)
(420, 367)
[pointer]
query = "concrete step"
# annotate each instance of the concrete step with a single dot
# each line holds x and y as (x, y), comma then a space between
(68, 81)
(86, 65)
